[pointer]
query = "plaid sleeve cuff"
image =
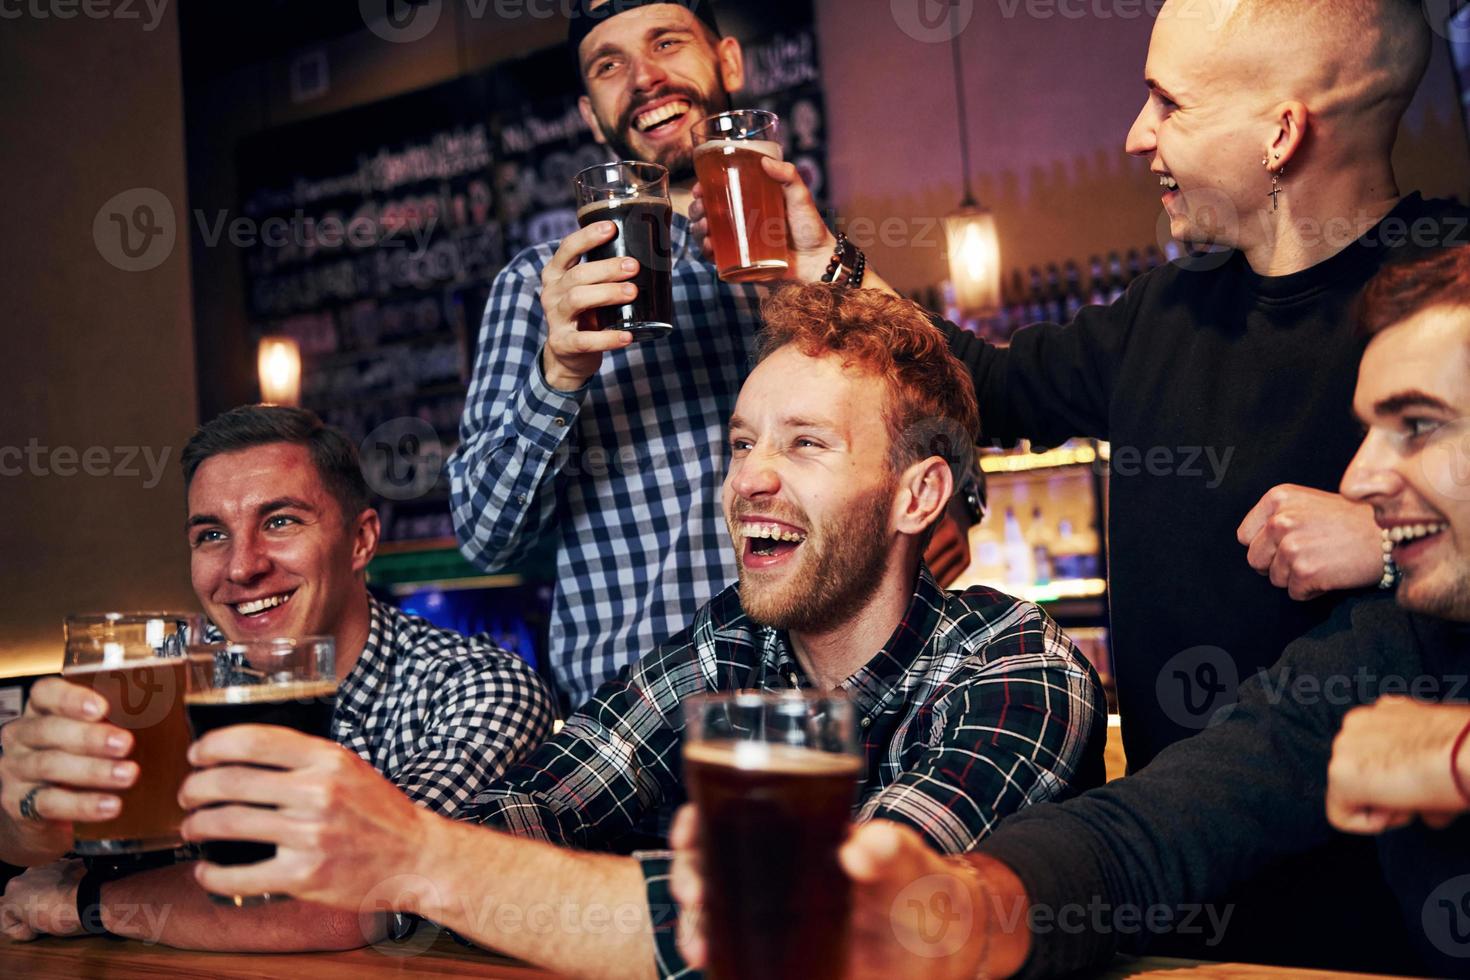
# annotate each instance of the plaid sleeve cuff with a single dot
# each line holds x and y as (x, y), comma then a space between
(663, 912)
(545, 415)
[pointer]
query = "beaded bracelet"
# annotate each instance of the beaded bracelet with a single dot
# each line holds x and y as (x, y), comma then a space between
(1390, 570)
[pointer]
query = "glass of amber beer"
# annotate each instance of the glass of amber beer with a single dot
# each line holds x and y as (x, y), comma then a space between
(775, 778)
(635, 198)
(745, 209)
(136, 661)
(286, 682)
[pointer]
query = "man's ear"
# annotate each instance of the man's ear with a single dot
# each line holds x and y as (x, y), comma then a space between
(1290, 120)
(584, 106)
(732, 64)
(366, 530)
(924, 490)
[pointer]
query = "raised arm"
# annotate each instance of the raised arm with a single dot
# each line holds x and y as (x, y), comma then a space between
(532, 370)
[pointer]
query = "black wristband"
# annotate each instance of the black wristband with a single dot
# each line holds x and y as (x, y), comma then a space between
(89, 904)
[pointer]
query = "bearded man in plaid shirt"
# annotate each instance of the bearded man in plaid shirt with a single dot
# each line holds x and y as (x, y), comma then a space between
(281, 529)
(845, 444)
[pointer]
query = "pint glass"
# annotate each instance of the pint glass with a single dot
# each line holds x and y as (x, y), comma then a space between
(635, 198)
(745, 209)
(136, 661)
(291, 683)
(775, 777)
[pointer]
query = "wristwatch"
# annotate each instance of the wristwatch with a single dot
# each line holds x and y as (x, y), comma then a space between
(89, 903)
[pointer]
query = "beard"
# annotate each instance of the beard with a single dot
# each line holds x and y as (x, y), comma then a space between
(678, 159)
(1448, 599)
(841, 563)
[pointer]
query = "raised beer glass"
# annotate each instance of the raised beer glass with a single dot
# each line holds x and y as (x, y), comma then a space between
(136, 661)
(745, 209)
(775, 778)
(635, 198)
(286, 682)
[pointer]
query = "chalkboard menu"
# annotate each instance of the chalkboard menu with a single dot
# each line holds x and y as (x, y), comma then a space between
(382, 227)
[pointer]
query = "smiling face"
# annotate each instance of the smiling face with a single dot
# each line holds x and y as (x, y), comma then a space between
(810, 491)
(1414, 465)
(270, 552)
(1203, 128)
(651, 73)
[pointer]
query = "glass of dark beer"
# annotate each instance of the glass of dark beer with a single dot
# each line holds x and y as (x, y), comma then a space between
(286, 682)
(775, 778)
(635, 198)
(136, 661)
(745, 209)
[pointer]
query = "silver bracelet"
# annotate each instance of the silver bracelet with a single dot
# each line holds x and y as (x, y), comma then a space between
(1390, 570)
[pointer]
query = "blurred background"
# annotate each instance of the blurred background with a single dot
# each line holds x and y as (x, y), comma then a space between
(187, 181)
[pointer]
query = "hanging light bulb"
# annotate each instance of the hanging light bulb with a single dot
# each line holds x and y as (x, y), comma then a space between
(279, 364)
(974, 259)
(974, 243)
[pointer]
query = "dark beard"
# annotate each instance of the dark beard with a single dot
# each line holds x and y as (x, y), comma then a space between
(838, 576)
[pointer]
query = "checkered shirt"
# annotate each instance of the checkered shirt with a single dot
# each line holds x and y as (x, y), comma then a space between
(977, 706)
(440, 714)
(625, 472)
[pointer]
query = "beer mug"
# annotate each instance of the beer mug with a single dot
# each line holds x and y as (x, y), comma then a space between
(136, 662)
(745, 209)
(635, 198)
(291, 683)
(775, 778)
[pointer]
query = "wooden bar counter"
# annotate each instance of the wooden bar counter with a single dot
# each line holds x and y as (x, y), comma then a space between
(106, 959)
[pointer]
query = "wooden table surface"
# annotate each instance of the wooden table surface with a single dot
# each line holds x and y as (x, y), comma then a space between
(107, 959)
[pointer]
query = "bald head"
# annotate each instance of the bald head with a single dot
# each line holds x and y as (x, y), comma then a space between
(1352, 62)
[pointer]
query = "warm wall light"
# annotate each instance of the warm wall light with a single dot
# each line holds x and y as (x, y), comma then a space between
(279, 362)
(974, 246)
(974, 260)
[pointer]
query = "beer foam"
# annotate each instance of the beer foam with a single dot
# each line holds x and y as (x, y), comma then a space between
(140, 662)
(769, 757)
(264, 693)
(768, 148)
(622, 202)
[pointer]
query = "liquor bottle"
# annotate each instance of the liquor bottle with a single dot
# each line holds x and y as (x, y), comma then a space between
(1099, 292)
(1036, 301)
(1135, 264)
(1072, 299)
(1056, 301)
(1019, 559)
(1018, 312)
(1117, 285)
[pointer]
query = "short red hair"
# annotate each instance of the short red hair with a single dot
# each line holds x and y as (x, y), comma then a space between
(931, 398)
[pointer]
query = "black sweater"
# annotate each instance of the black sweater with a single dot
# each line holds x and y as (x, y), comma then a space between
(1214, 810)
(1213, 385)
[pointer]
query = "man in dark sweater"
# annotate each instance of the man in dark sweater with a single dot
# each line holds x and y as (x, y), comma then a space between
(1223, 382)
(1064, 887)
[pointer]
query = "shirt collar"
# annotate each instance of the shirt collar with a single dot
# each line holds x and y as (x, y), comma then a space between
(874, 683)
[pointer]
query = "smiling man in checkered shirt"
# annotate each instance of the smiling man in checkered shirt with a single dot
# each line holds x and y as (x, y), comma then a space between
(845, 443)
(281, 530)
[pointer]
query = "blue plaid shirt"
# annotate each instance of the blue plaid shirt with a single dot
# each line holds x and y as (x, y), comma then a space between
(626, 471)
